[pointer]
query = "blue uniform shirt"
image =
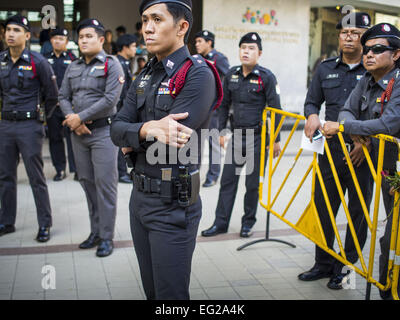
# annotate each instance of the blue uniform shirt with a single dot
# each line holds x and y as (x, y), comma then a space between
(220, 61)
(332, 83)
(20, 88)
(248, 97)
(60, 64)
(128, 79)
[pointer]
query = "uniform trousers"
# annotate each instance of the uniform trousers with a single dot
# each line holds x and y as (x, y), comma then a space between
(25, 138)
(325, 261)
(214, 156)
(56, 142)
(96, 164)
(164, 238)
(229, 184)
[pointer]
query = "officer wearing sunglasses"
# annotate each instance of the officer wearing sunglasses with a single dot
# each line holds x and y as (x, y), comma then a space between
(369, 111)
(334, 80)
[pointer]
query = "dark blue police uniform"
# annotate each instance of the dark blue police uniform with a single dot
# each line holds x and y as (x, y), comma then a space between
(221, 63)
(21, 87)
(54, 123)
(247, 97)
(333, 82)
(164, 232)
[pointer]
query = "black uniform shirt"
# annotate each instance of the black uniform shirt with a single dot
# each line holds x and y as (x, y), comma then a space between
(220, 61)
(333, 82)
(248, 97)
(128, 79)
(21, 88)
(149, 99)
(60, 64)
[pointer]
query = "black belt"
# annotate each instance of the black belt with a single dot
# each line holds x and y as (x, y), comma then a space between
(99, 123)
(147, 184)
(19, 115)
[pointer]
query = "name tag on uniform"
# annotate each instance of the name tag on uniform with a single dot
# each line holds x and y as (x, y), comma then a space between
(332, 76)
(359, 77)
(234, 76)
(67, 61)
(254, 81)
(25, 68)
(51, 61)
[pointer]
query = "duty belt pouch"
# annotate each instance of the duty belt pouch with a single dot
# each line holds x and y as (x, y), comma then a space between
(166, 186)
(194, 186)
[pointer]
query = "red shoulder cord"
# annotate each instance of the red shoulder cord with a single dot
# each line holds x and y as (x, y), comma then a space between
(387, 94)
(71, 56)
(106, 68)
(260, 84)
(178, 81)
(33, 67)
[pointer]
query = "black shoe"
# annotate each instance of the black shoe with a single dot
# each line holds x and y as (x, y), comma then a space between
(76, 177)
(4, 229)
(315, 273)
(386, 295)
(213, 231)
(105, 248)
(90, 242)
(61, 175)
(43, 234)
(209, 183)
(245, 232)
(125, 179)
(335, 282)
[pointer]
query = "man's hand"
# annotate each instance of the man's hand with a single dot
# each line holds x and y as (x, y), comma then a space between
(73, 121)
(277, 149)
(168, 130)
(357, 155)
(126, 150)
(330, 129)
(312, 125)
(361, 139)
(81, 130)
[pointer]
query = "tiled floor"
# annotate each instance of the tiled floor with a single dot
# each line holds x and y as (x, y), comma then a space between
(265, 271)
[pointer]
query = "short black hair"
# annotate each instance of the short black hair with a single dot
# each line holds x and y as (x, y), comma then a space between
(121, 29)
(138, 25)
(100, 32)
(179, 12)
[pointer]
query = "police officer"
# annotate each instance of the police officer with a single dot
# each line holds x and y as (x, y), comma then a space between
(59, 59)
(249, 88)
(24, 75)
(332, 83)
(88, 97)
(126, 46)
(373, 108)
(204, 42)
(169, 102)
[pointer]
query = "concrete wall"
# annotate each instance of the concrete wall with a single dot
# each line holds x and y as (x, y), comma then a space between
(115, 13)
(285, 44)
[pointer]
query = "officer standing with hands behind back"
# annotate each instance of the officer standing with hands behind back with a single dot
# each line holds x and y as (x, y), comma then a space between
(170, 101)
(248, 88)
(60, 59)
(88, 98)
(126, 46)
(334, 80)
(24, 77)
(205, 41)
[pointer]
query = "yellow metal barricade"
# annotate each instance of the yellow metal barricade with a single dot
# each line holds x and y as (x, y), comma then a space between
(309, 223)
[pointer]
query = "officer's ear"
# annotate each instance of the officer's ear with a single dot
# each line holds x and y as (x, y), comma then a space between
(183, 27)
(396, 56)
(27, 35)
(259, 53)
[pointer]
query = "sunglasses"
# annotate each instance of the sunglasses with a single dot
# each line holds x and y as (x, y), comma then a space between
(377, 49)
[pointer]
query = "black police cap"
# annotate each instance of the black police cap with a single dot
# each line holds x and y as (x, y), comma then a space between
(251, 37)
(148, 3)
(59, 32)
(126, 40)
(206, 35)
(381, 30)
(355, 20)
(20, 21)
(90, 23)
